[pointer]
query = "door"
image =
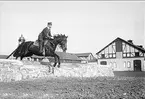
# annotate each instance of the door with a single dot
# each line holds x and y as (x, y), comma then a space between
(137, 65)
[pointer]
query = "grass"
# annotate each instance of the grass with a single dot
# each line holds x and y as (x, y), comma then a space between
(75, 88)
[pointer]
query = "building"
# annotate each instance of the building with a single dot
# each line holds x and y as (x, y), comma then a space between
(86, 57)
(122, 56)
(64, 58)
(68, 57)
(3, 56)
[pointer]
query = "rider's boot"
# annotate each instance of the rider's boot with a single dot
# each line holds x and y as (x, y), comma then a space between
(43, 52)
(41, 49)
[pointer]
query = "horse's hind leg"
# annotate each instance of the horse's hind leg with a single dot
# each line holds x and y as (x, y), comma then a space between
(55, 61)
(49, 68)
(58, 60)
(21, 58)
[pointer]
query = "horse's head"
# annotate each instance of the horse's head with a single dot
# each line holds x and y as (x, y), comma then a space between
(62, 41)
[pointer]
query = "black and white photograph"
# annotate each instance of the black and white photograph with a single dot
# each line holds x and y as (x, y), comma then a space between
(72, 49)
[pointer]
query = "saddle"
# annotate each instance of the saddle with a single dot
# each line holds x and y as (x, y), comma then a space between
(36, 43)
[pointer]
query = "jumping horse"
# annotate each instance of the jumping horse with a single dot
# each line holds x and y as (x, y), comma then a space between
(29, 48)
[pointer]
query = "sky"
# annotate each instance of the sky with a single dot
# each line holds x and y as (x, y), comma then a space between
(89, 25)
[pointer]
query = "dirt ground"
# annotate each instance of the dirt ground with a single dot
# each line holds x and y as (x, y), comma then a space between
(75, 88)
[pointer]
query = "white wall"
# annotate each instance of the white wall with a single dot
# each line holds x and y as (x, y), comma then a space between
(120, 63)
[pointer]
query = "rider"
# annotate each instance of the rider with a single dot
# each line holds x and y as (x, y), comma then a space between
(45, 34)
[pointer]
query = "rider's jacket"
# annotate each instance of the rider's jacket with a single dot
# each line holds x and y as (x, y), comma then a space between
(45, 34)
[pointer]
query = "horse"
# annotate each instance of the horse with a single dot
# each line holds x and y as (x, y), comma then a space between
(28, 48)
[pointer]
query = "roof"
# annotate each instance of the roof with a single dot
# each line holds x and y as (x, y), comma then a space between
(83, 54)
(62, 55)
(129, 43)
(69, 56)
(3, 56)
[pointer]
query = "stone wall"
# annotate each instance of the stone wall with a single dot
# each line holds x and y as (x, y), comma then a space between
(14, 70)
(10, 70)
(83, 70)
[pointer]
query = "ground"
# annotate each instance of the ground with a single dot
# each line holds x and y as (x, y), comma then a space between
(75, 88)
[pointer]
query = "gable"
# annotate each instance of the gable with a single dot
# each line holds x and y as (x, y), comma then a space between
(120, 45)
(108, 52)
(118, 42)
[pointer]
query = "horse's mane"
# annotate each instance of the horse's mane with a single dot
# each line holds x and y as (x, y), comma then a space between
(59, 36)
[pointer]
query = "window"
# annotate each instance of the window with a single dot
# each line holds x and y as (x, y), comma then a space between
(110, 64)
(137, 54)
(110, 55)
(124, 54)
(128, 64)
(140, 54)
(103, 55)
(106, 56)
(103, 63)
(114, 55)
(132, 49)
(124, 47)
(115, 65)
(128, 54)
(37, 60)
(32, 59)
(128, 48)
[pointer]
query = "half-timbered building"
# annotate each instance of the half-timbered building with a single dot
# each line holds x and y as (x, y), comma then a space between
(122, 56)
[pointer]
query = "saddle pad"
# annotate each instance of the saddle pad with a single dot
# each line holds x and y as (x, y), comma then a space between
(36, 43)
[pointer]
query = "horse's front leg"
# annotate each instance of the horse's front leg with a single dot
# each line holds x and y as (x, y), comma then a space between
(55, 62)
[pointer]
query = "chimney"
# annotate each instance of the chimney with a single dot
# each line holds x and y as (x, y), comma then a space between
(130, 41)
(140, 46)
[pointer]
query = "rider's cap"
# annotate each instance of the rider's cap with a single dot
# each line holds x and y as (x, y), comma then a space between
(49, 23)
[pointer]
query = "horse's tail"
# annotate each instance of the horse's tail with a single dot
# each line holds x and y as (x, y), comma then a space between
(26, 47)
(18, 51)
(22, 49)
(11, 54)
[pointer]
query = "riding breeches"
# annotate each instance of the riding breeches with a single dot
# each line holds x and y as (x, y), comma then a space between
(41, 45)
